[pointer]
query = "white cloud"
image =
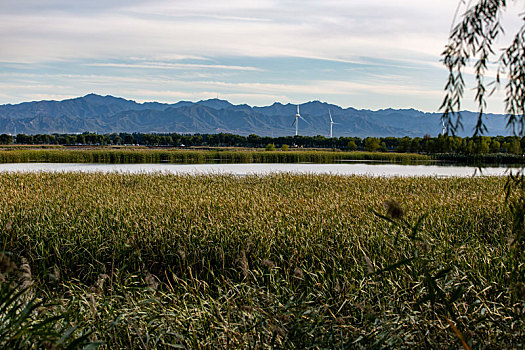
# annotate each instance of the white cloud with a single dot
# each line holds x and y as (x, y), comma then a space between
(120, 45)
(164, 65)
(335, 30)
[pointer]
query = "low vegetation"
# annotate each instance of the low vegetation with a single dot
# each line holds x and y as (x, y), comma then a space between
(286, 261)
(130, 155)
(477, 145)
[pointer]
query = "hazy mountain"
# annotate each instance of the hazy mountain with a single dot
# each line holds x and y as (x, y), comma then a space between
(88, 106)
(215, 103)
(105, 114)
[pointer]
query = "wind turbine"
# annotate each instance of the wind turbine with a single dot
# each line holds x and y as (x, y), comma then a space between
(331, 123)
(296, 121)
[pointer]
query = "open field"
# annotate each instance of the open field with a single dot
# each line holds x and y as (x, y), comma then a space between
(140, 155)
(289, 261)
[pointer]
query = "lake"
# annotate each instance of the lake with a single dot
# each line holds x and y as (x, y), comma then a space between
(263, 169)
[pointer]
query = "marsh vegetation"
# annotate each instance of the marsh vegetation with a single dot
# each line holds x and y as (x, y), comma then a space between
(138, 155)
(290, 261)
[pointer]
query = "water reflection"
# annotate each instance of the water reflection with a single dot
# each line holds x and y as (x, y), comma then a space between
(263, 168)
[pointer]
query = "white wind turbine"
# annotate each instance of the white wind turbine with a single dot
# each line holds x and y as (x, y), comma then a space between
(296, 121)
(331, 123)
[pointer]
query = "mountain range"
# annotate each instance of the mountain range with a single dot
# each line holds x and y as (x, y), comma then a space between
(108, 114)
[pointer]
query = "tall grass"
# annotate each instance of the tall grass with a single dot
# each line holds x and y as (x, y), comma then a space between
(194, 156)
(288, 261)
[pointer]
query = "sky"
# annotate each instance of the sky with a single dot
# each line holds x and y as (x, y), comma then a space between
(370, 54)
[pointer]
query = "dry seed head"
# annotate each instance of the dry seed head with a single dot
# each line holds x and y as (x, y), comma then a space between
(340, 321)
(55, 275)
(182, 254)
(92, 303)
(247, 308)
(243, 261)
(369, 265)
(152, 281)
(268, 264)
(298, 273)
(221, 253)
(393, 209)
(6, 265)
(25, 274)
(423, 246)
(337, 286)
(249, 244)
(99, 286)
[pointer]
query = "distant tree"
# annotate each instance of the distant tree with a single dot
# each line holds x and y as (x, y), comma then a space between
(6, 139)
(129, 139)
(505, 147)
(471, 147)
(415, 144)
(428, 144)
(285, 147)
(484, 145)
(270, 147)
(371, 144)
(515, 147)
(118, 140)
(391, 142)
(24, 139)
(254, 140)
(495, 146)
(352, 146)
(196, 139)
(404, 145)
(456, 143)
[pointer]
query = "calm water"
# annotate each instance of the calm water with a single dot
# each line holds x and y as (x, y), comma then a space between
(261, 169)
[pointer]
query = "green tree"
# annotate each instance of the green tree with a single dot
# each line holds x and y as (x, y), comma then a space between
(415, 144)
(404, 144)
(495, 146)
(117, 140)
(471, 147)
(484, 145)
(352, 146)
(371, 144)
(270, 147)
(505, 147)
(515, 147)
(6, 139)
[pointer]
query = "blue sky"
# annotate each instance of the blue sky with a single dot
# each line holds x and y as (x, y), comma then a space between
(365, 54)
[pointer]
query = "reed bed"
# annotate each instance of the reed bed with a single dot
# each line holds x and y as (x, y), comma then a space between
(492, 158)
(285, 261)
(121, 156)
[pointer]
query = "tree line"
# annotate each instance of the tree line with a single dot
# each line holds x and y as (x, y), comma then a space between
(425, 144)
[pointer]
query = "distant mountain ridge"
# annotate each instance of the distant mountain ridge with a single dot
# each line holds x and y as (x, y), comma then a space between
(107, 114)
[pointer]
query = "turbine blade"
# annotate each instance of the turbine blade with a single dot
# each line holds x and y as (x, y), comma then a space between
(294, 122)
(304, 120)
